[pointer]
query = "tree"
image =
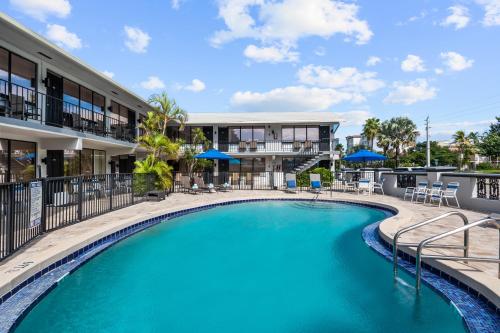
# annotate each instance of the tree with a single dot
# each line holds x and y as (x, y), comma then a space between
(340, 148)
(383, 137)
(465, 146)
(371, 129)
(198, 144)
(167, 110)
(159, 147)
(490, 141)
(400, 133)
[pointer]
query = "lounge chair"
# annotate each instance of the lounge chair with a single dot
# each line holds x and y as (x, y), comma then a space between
(253, 145)
(451, 193)
(434, 193)
(210, 188)
(364, 184)
(421, 192)
(379, 185)
(291, 183)
(308, 145)
(186, 185)
(411, 191)
(315, 183)
(242, 146)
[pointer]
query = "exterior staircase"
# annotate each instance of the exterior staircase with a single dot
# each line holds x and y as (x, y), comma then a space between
(312, 161)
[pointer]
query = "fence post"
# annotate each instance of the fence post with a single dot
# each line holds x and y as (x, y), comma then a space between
(44, 205)
(80, 198)
(132, 187)
(111, 187)
(10, 219)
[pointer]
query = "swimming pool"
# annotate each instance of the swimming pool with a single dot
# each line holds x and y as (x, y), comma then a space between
(273, 266)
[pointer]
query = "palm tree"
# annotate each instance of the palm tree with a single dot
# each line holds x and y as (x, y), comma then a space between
(371, 129)
(465, 145)
(383, 137)
(167, 110)
(403, 133)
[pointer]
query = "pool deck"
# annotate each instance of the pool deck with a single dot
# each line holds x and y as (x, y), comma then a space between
(51, 247)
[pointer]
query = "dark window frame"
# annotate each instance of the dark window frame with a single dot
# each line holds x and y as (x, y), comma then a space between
(229, 128)
(9, 71)
(300, 126)
(80, 173)
(9, 149)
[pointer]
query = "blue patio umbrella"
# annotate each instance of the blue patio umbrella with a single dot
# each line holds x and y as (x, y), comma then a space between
(364, 156)
(214, 154)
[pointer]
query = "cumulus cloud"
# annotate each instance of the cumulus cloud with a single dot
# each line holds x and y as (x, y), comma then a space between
(410, 92)
(176, 4)
(293, 98)
(136, 40)
(62, 37)
(373, 61)
(196, 86)
(450, 128)
(270, 54)
(459, 17)
(491, 12)
(108, 74)
(153, 83)
(455, 61)
(320, 51)
(285, 22)
(413, 63)
(438, 71)
(41, 9)
(353, 118)
(346, 79)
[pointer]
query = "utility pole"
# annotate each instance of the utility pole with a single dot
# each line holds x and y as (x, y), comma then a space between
(428, 148)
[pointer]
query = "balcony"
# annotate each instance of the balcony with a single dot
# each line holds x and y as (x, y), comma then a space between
(29, 105)
(275, 147)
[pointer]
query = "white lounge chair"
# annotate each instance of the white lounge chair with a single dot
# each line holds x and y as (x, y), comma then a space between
(434, 193)
(412, 191)
(451, 193)
(379, 185)
(364, 184)
(315, 182)
(291, 183)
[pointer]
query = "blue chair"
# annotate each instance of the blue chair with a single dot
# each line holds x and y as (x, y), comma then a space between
(291, 183)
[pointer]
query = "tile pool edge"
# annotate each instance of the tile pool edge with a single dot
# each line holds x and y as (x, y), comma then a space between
(476, 310)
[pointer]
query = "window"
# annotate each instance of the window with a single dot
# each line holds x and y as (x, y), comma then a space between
(87, 162)
(234, 134)
(4, 67)
(120, 112)
(287, 134)
(246, 164)
(71, 96)
(313, 133)
(259, 164)
(300, 134)
(246, 134)
(259, 134)
(23, 72)
(17, 160)
(72, 163)
(99, 162)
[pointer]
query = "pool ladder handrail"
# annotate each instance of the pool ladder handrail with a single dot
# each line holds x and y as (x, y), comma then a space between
(398, 234)
(425, 244)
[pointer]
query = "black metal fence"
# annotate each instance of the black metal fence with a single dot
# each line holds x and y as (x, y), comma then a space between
(27, 209)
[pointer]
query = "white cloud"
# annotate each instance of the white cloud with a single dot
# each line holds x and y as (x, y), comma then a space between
(284, 22)
(270, 54)
(455, 61)
(353, 118)
(196, 86)
(449, 128)
(62, 37)
(491, 12)
(320, 51)
(41, 9)
(438, 71)
(373, 61)
(411, 92)
(137, 40)
(346, 79)
(108, 74)
(153, 83)
(459, 17)
(413, 63)
(293, 98)
(176, 4)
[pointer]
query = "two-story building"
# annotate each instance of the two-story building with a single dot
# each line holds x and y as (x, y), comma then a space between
(266, 141)
(59, 116)
(355, 140)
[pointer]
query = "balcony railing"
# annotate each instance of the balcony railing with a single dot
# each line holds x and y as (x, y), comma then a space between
(277, 146)
(27, 104)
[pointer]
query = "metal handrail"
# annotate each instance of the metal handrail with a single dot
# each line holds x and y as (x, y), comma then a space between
(466, 258)
(465, 247)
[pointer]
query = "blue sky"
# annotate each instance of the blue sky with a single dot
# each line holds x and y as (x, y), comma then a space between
(437, 58)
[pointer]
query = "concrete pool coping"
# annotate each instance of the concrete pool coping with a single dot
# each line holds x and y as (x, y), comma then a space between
(51, 248)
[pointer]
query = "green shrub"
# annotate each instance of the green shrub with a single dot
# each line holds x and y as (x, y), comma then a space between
(303, 178)
(485, 166)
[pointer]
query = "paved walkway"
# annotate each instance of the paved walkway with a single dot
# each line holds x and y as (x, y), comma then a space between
(53, 246)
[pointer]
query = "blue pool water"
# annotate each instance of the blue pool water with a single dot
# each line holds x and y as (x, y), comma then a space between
(274, 267)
